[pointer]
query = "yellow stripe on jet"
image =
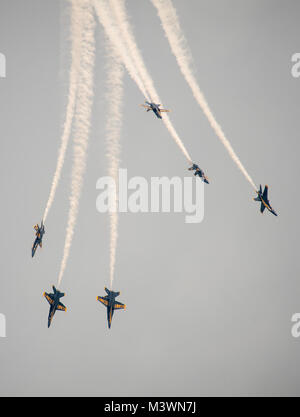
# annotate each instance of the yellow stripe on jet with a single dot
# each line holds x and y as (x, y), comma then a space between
(265, 204)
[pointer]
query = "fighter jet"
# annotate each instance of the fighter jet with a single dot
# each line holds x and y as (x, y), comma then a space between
(55, 304)
(199, 172)
(40, 231)
(155, 108)
(111, 304)
(263, 198)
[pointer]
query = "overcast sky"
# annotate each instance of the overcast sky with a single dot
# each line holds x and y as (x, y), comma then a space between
(209, 305)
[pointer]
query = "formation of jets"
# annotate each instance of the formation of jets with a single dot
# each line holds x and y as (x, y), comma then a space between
(109, 301)
(261, 196)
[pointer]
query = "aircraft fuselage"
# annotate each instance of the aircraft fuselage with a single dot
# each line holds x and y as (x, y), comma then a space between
(156, 110)
(111, 304)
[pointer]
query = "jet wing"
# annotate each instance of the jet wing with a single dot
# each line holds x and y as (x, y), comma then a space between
(262, 207)
(61, 307)
(48, 298)
(265, 194)
(103, 300)
(164, 111)
(146, 107)
(119, 306)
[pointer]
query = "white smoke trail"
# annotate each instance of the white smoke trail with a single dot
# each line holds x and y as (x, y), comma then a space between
(179, 47)
(112, 32)
(76, 31)
(82, 123)
(114, 96)
(125, 43)
(120, 14)
(118, 7)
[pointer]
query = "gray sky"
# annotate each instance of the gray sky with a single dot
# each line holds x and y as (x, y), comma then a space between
(209, 305)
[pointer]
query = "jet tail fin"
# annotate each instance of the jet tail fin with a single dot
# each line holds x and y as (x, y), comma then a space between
(56, 291)
(108, 292)
(265, 193)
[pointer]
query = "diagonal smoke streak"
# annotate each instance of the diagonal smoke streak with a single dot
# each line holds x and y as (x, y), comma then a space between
(82, 124)
(114, 97)
(122, 38)
(76, 31)
(118, 7)
(112, 32)
(179, 47)
(120, 14)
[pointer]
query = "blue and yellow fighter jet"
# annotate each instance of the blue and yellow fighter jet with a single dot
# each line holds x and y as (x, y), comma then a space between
(155, 108)
(262, 197)
(55, 304)
(199, 172)
(111, 304)
(40, 231)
